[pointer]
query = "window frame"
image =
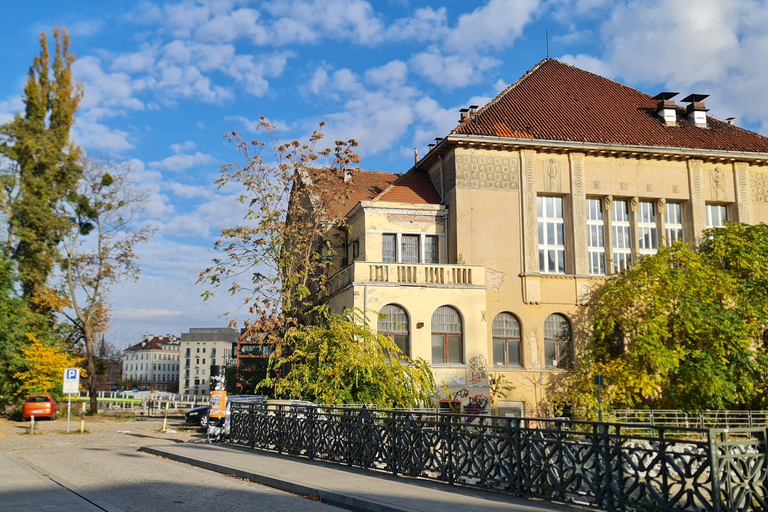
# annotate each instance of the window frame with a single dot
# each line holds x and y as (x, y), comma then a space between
(596, 237)
(677, 227)
(505, 338)
(557, 342)
(723, 208)
(391, 333)
(445, 335)
(555, 224)
(623, 225)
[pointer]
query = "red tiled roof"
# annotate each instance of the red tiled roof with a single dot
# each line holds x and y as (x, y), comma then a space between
(153, 343)
(364, 186)
(414, 186)
(556, 101)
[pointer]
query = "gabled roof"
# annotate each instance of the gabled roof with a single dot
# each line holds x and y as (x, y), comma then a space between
(559, 102)
(415, 186)
(153, 343)
(364, 186)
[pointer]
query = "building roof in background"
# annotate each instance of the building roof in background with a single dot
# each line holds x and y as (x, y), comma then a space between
(151, 343)
(415, 187)
(556, 101)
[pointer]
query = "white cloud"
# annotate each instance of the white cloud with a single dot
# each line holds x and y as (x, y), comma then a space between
(426, 24)
(589, 63)
(97, 136)
(494, 25)
(191, 191)
(451, 70)
(182, 162)
(85, 28)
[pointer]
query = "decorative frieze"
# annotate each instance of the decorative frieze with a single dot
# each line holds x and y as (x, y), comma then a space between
(488, 171)
(717, 189)
(758, 184)
(553, 176)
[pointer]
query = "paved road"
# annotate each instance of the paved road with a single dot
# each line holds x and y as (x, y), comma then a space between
(106, 467)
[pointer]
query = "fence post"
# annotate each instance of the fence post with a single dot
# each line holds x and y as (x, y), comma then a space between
(714, 472)
(311, 413)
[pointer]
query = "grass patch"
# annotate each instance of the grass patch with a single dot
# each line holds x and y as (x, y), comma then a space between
(74, 431)
(131, 401)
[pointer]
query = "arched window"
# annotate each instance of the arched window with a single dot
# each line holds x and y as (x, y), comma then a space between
(557, 342)
(447, 336)
(393, 322)
(506, 340)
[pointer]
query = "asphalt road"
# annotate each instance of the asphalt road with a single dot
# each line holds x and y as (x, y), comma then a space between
(106, 466)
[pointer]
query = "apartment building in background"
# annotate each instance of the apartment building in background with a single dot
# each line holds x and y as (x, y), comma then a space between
(485, 255)
(201, 348)
(153, 363)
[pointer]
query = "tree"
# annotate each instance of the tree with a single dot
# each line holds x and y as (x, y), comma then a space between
(44, 368)
(341, 361)
(16, 320)
(99, 249)
(274, 257)
(42, 168)
(684, 328)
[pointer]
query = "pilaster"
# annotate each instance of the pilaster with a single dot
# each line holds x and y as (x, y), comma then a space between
(698, 206)
(578, 212)
(743, 192)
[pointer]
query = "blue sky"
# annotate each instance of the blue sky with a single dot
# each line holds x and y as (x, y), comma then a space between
(164, 81)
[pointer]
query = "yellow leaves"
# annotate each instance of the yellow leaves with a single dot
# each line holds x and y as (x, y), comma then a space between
(46, 299)
(45, 365)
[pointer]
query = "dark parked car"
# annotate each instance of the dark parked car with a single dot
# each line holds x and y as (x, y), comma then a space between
(198, 416)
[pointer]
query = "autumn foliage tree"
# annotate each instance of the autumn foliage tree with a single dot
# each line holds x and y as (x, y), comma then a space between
(279, 259)
(99, 250)
(44, 367)
(684, 328)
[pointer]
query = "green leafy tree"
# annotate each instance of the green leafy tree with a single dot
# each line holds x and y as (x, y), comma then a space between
(683, 328)
(42, 168)
(341, 361)
(99, 250)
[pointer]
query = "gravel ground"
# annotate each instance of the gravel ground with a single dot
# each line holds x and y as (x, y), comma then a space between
(105, 462)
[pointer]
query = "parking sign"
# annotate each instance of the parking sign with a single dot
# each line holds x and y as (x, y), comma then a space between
(71, 381)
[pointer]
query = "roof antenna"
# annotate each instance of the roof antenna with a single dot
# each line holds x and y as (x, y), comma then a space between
(546, 33)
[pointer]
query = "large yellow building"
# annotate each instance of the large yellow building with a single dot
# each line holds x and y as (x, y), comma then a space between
(485, 254)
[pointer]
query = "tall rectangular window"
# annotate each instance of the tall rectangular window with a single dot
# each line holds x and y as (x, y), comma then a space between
(389, 248)
(717, 215)
(551, 234)
(673, 223)
(431, 252)
(621, 240)
(409, 246)
(595, 237)
(647, 229)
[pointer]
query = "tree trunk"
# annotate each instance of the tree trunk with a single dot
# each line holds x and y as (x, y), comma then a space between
(91, 367)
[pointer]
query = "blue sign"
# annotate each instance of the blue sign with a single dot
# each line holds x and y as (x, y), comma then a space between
(135, 390)
(71, 373)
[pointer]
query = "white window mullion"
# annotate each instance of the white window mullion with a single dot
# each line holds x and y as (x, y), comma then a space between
(647, 238)
(595, 237)
(551, 224)
(673, 223)
(621, 236)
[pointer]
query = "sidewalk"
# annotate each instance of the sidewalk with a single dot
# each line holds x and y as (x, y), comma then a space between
(350, 488)
(22, 489)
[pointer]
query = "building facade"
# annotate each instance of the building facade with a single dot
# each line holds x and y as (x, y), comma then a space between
(201, 348)
(484, 257)
(153, 363)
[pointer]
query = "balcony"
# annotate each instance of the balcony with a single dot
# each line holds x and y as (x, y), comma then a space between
(470, 276)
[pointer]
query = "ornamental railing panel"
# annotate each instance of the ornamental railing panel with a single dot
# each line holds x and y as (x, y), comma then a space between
(602, 465)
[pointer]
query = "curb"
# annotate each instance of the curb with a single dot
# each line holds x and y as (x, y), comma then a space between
(331, 498)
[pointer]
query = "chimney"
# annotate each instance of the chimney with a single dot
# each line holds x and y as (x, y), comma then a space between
(666, 108)
(438, 140)
(731, 121)
(431, 146)
(415, 155)
(347, 175)
(463, 114)
(472, 110)
(697, 113)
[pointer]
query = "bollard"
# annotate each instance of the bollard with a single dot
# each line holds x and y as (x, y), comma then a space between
(32, 427)
(165, 420)
(82, 419)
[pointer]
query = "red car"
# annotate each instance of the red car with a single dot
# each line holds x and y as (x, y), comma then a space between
(40, 406)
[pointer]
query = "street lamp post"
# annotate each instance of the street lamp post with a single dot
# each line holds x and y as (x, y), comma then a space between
(599, 384)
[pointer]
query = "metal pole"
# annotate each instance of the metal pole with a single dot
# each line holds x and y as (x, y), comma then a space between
(69, 409)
